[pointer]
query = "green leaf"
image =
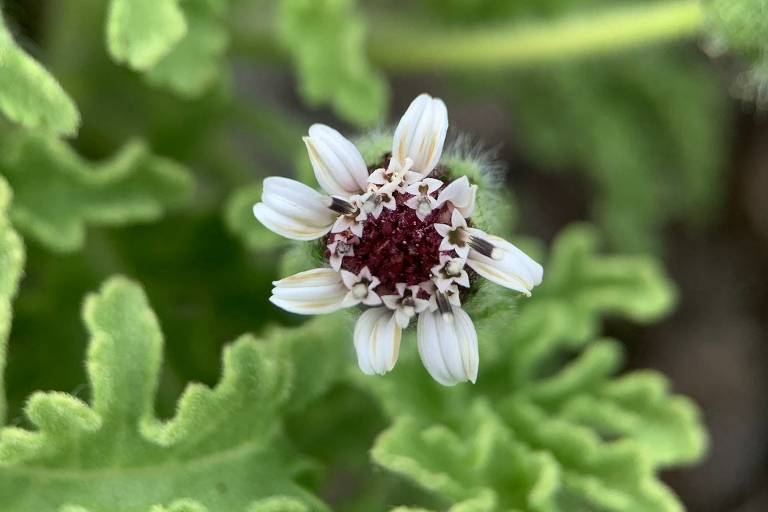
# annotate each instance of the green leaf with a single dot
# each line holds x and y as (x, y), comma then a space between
(12, 265)
(222, 450)
(582, 286)
(141, 32)
(639, 128)
(29, 95)
(595, 475)
(479, 460)
(638, 406)
(565, 435)
(325, 39)
(576, 440)
(56, 192)
(193, 63)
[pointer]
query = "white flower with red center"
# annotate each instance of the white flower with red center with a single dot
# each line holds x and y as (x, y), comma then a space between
(400, 244)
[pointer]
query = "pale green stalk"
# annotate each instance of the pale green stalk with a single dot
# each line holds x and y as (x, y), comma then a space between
(593, 33)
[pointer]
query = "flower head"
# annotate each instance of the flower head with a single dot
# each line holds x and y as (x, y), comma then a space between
(399, 241)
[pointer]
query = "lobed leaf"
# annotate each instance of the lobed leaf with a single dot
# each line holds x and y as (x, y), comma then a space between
(639, 128)
(56, 192)
(141, 32)
(222, 451)
(193, 63)
(561, 436)
(29, 95)
(583, 286)
(325, 39)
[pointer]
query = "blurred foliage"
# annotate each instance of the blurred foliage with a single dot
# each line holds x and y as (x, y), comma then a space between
(179, 44)
(326, 40)
(640, 128)
(740, 26)
(222, 449)
(29, 95)
(284, 421)
(543, 434)
(56, 192)
(11, 263)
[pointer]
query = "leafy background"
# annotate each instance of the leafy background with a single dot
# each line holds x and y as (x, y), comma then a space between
(146, 371)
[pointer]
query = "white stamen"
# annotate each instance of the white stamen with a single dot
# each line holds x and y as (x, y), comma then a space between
(424, 207)
(360, 291)
(453, 268)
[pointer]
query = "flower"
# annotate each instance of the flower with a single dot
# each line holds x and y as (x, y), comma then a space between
(399, 241)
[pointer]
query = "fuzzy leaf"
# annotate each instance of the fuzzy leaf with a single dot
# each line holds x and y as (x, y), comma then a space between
(222, 450)
(479, 460)
(141, 32)
(544, 452)
(581, 286)
(639, 128)
(571, 436)
(192, 64)
(325, 38)
(56, 192)
(11, 266)
(638, 406)
(29, 95)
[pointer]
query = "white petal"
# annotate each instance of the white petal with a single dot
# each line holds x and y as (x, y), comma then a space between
(378, 177)
(357, 229)
(377, 341)
(420, 134)
(391, 301)
(461, 194)
(291, 197)
(286, 226)
(448, 346)
(372, 299)
(446, 245)
(514, 269)
(421, 305)
(337, 163)
(443, 229)
(468, 209)
(457, 219)
(335, 261)
(293, 210)
(348, 278)
(311, 292)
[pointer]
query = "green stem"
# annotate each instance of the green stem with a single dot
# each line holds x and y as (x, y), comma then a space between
(400, 47)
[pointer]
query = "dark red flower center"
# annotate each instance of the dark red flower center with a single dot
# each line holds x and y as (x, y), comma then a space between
(398, 247)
